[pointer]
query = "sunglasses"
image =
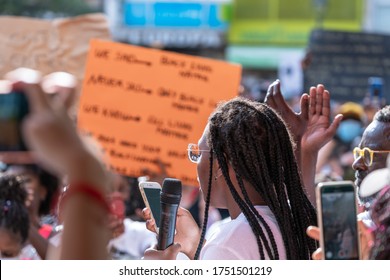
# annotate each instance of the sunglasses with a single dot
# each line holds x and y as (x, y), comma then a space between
(366, 154)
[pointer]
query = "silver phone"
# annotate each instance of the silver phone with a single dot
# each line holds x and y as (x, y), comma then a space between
(150, 192)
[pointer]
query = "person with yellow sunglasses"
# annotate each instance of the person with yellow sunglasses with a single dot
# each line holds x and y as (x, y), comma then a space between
(373, 149)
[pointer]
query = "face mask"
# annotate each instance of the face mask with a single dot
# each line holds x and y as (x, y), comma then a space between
(349, 130)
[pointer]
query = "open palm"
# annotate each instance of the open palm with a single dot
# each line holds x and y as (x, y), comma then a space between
(320, 130)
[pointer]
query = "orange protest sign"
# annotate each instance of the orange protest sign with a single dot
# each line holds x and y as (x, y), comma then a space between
(145, 105)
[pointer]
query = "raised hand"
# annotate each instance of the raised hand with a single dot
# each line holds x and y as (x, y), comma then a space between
(320, 130)
(296, 122)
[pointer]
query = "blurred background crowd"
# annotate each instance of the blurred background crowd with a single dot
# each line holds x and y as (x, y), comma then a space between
(271, 39)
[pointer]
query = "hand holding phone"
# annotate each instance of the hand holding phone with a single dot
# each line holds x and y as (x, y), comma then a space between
(337, 220)
(150, 192)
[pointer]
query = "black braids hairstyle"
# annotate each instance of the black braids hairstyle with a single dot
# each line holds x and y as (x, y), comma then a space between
(247, 211)
(206, 210)
(282, 192)
(296, 197)
(238, 159)
(278, 208)
(13, 212)
(252, 215)
(299, 200)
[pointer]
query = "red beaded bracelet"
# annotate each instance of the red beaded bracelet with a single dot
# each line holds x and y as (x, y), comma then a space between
(87, 190)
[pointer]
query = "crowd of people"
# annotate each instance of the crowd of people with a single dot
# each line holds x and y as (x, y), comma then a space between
(259, 162)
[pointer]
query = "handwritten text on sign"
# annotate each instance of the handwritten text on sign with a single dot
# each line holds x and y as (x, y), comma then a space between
(145, 105)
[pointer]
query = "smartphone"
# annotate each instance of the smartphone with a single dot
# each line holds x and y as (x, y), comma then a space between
(150, 192)
(13, 109)
(337, 219)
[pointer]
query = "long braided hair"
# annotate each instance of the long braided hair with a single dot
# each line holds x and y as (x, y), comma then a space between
(254, 140)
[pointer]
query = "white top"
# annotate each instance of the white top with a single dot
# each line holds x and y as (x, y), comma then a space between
(235, 240)
(135, 239)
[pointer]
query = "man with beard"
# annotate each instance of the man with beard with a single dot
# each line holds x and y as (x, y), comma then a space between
(372, 152)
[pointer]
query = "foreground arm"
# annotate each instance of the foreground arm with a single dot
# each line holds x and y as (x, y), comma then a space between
(52, 136)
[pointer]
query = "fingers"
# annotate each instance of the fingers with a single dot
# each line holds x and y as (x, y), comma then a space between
(313, 232)
(275, 98)
(63, 85)
(183, 212)
(150, 223)
(169, 253)
(317, 255)
(146, 214)
(319, 99)
(312, 101)
(331, 131)
(56, 80)
(28, 81)
(269, 98)
(305, 106)
(326, 103)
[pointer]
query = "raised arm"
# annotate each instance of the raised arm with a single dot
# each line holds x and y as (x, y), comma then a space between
(50, 133)
(311, 128)
(320, 130)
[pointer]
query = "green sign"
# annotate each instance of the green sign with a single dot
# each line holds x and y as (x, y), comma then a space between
(286, 22)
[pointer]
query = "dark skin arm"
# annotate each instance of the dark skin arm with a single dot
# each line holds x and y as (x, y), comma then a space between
(311, 129)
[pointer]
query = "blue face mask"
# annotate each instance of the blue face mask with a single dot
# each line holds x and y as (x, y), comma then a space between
(349, 130)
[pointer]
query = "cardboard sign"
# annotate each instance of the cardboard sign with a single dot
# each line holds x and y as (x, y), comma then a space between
(146, 105)
(48, 46)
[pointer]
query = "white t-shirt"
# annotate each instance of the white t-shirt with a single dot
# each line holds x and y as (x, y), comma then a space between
(235, 239)
(135, 239)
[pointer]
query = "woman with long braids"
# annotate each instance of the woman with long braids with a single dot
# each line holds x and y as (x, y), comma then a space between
(246, 164)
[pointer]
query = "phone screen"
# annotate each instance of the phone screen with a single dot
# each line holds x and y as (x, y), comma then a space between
(153, 197)
(13, 109)
(339, 223)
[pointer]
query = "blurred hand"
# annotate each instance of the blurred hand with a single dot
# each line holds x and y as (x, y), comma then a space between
(49, 132)
(169, 253)
(61, 86)
(365, 239)
(319, 130)
(314, 232)
(187, 231)
(296, 122)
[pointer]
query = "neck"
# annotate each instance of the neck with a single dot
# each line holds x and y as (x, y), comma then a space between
(254, 197)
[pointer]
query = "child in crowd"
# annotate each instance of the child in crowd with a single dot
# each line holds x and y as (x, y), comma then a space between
(14, 220)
